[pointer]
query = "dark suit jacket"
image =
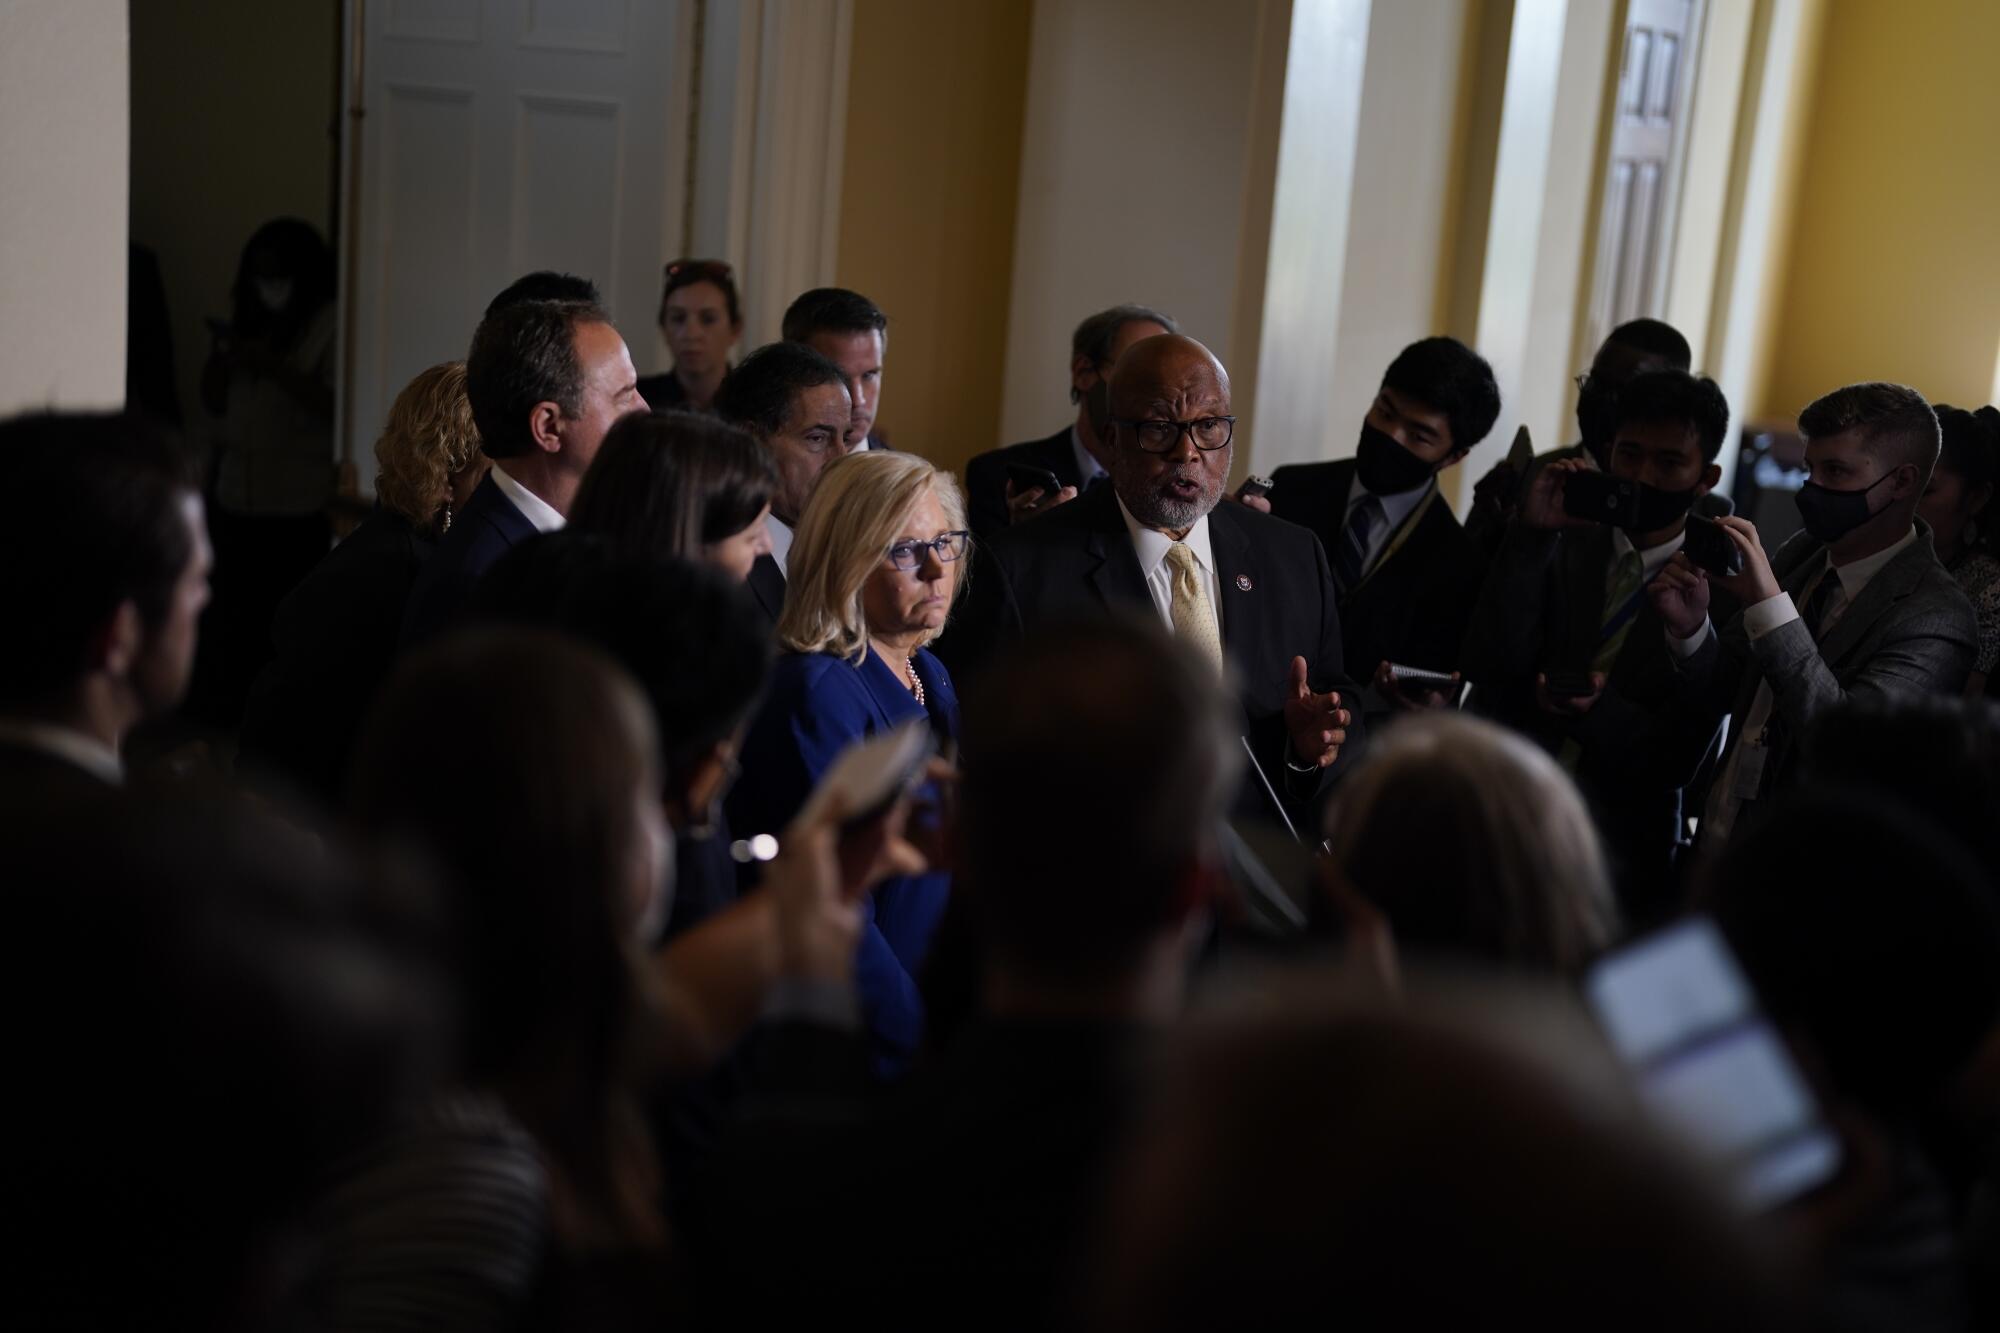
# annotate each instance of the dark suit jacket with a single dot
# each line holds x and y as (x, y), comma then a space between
(767, 585)
(34, 782)
(1414, 606)
(336, 636)
(486, 529)
(1542, 609)
(1911, 631)
(817, 706)
(1076, 561)
(986, 478)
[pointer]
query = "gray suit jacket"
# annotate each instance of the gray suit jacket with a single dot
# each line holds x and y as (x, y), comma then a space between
(1910, 632)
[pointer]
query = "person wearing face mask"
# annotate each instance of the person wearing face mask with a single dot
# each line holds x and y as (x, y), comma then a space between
(701, 318)
(1565, 648)
(1855, 606)
(1404, 571)
(1636, 347)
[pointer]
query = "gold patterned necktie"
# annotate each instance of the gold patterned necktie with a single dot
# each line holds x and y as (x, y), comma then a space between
(1194, 618)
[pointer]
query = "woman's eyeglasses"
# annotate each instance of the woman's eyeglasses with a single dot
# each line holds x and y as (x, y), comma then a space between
(951, 546)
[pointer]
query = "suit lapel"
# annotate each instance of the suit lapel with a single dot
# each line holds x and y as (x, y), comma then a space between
(1055, 454)
(1237, 577)
(1586, 559)
(767, 584)
(1895, 581)
(1114, 569)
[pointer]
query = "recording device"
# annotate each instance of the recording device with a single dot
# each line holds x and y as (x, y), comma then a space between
(1254, 485)
(1683, 1019)
(1601, 498)
(1418, 676)
(1027, 477)
(873, 774)
(1570, 684)
(1708, 547)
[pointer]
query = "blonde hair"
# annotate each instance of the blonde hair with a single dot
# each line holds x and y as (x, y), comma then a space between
(1473, 840)
(857, 511)
(428, 440)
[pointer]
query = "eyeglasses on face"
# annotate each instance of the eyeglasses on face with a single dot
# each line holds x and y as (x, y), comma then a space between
(907, 556)
(1160, 437)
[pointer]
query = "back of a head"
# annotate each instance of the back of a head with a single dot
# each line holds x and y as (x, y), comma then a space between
(666, 484)
(1871, 934)
(429, 438)
(1674, 397)
(832, 310)
(1388, 1170)
(1447, 376)
(527, 813)
(203, 1021)
(695, 642)
(1098, 760)
(1474, 843)
(103, 502)
(1970, 444)
(545, 285)
(1893, 422)
(1096, 334)
(759, 393)
(1656, 338)
(524, 354)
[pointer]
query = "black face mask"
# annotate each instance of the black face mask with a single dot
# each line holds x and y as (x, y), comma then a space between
(1385, 467)
(1831, 515)
(1597, 418)
(1658, 509)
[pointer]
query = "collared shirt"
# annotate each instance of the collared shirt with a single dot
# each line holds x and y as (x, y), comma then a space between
(1725, 800)
(1151, 545)
(1651, 560)
(533, 507)
(71, 746)
(1087, 466)
(781, 541)
(1395, 509)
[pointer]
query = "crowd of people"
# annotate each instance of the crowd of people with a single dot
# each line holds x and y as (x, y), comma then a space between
(531, 955)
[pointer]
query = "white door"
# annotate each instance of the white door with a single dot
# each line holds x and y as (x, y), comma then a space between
(497, 137)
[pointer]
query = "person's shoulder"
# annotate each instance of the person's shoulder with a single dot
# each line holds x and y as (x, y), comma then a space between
(1323, 471)
(1065, 526)
(801, 677)
(1266, 530)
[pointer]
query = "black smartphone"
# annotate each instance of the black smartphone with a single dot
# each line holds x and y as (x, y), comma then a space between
(1684, 1021)
(1709, 548)
(1254, 485)
(1027, 477)
(1601, 498)
(1570, 684)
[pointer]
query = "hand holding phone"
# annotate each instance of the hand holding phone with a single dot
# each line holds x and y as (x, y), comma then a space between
(1709, 548)
(1601, 498)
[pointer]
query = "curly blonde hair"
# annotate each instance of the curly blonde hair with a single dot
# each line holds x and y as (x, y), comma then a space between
(429, 439)
(857, 510)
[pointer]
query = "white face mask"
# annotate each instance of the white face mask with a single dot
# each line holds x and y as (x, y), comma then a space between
(275, 293)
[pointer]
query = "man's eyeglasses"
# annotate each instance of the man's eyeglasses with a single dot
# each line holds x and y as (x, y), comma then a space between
(951, 546)
(1160, 437)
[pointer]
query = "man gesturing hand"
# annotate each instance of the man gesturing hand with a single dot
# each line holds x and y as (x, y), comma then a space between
(1316, 723)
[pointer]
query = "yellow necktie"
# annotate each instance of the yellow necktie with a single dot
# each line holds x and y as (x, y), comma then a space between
(1194, 618)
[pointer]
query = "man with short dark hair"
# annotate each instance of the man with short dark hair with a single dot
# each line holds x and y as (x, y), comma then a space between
(545, 380)
(1636, 347)
(1406, 574)
(545, 285)
(993, 498)
(1565, 648)
(797, 402)
(1252, 592)
(851, 331)
(1854, 606)
(104, 571)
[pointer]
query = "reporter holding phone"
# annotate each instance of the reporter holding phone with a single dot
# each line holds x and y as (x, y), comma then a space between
(1565, 647)
(878, 559)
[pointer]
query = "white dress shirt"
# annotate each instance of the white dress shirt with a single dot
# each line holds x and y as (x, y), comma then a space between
(532, 506)
(88, 753)
(1151, 546)
(1725, 800)
(1087, 466)
(1651, 560)
(1395, 510)
(781, 541)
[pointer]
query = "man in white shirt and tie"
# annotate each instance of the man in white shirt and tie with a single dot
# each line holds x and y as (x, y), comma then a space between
(1856, 605)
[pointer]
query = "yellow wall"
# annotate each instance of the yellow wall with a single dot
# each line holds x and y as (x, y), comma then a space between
(233, 109)
(1894, 270)
(927, 203)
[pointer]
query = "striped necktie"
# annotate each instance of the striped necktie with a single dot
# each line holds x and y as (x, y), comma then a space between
(1622, 595)
(1351, 560)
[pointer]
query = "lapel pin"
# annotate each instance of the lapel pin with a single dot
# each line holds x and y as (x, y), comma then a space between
(1243, 582)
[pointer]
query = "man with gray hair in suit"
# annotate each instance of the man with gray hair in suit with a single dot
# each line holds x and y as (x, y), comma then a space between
(1855, 606)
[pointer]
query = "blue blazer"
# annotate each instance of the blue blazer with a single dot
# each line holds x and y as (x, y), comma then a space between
(816, 707)
(486, 529)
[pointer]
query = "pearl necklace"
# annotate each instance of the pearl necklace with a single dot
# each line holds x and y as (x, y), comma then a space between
(916, 681)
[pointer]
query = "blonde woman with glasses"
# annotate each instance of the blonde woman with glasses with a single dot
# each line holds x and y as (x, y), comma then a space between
(880, 555)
